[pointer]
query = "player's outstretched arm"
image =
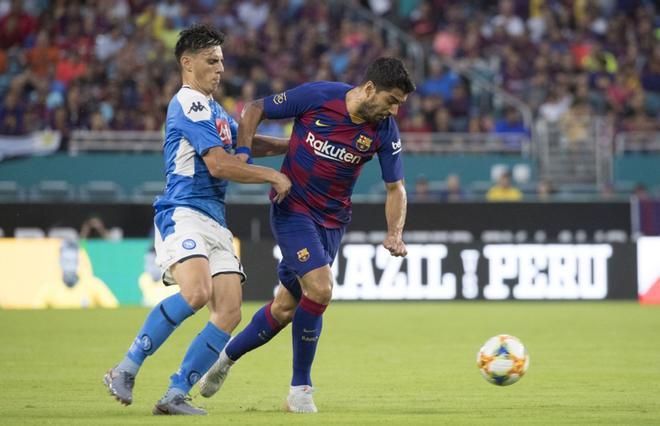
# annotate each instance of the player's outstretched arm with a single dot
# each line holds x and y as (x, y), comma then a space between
(252, 115)
(266, 146)
(222, 165)
(395, 213)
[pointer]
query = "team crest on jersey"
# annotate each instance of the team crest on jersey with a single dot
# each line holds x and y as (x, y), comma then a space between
(189, 244)
(303, 255)
(279, 98)
(363, 143)
(223, 131)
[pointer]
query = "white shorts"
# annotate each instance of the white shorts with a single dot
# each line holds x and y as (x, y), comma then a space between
(196, 235)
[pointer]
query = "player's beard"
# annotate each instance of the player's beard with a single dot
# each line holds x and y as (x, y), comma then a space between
(364, 112)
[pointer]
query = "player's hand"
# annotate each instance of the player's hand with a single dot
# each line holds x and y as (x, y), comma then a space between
(395, 245)
(243, 157)
(281, 185)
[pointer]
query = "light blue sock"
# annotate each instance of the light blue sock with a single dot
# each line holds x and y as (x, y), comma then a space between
(202, 353)
(160, 323)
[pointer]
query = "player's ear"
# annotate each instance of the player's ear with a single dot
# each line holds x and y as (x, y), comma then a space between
(186, 63)
(369, 88)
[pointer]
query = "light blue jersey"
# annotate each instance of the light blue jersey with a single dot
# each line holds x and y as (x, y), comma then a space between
(195, 124)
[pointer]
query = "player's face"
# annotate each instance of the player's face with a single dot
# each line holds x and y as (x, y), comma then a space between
(207, 68)
(380, 104)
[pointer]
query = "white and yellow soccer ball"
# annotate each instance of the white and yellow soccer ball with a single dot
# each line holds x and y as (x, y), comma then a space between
(503, 360)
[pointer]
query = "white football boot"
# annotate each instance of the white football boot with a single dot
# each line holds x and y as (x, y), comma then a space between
(212, 381)
(300, 400)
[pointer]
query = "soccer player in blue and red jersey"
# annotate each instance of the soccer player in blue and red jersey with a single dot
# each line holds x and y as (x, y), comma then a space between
(337, 129)
(193, 245)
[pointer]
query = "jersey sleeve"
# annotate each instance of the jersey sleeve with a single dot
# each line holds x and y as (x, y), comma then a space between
(294, 102)
(389, 152)
(196, 122)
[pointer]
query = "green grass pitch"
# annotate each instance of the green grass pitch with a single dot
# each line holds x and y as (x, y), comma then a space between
(377, 363)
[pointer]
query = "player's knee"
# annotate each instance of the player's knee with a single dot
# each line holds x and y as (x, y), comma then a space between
(198, 300)
(226, 317)
(320, 292)
(234, 317)
(197, 296)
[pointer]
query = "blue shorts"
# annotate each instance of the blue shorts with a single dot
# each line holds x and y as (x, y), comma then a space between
(305, 246)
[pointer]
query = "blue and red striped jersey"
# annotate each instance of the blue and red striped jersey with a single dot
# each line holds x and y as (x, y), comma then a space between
(327, 150)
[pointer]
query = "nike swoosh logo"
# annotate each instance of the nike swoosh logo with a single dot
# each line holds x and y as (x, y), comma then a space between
(309, 331)
(318, 123)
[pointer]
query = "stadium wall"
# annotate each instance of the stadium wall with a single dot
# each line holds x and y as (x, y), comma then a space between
(470, 222)
(363, 271)
(495, 251)
(131, 169)
(436, 271)
(641, 168)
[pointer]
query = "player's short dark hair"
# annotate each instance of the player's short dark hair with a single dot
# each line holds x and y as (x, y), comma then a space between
(197, 37)
(389, 73)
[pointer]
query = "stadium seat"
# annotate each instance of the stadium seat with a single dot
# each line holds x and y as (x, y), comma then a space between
(249, 188)
(437, 186)
(10, 191)
(64, 233)
(53, 190)
(29, 232)
(527, 188)
(624, 187)
(522, 173)
(379, 189)
(146, 192)
(578, 188)
(101, 190)
(611, 236)
(497, 170)
(480, 187)
(577, 191)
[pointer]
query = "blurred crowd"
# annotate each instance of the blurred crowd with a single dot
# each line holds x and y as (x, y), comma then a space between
(108, 64)
(564, 58)
(506, 188)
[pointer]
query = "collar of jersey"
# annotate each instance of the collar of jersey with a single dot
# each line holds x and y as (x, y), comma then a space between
(187, 86)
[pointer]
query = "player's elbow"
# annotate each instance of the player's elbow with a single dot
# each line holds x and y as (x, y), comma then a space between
(253, 110)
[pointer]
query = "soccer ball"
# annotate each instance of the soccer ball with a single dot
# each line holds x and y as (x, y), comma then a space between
(503, 360)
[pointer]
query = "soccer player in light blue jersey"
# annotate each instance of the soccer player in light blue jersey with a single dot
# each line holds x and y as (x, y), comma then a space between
(193, 245)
